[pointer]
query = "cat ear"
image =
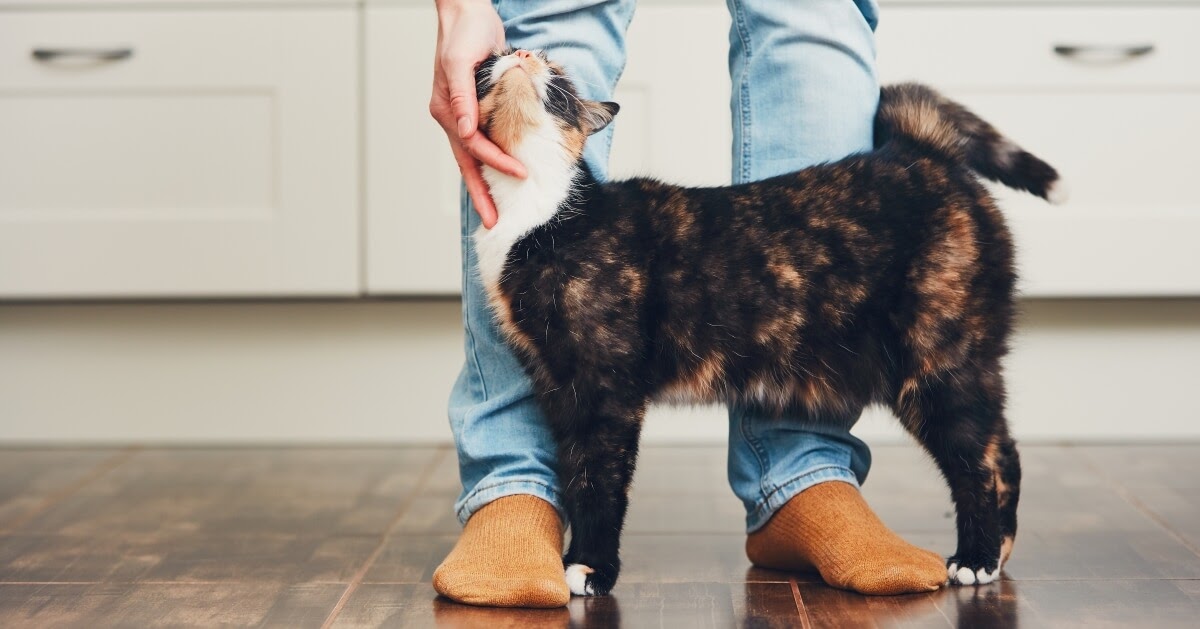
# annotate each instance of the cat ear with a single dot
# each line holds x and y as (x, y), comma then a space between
(597, 115)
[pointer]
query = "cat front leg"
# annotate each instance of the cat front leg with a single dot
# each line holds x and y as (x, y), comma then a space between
(597, 454)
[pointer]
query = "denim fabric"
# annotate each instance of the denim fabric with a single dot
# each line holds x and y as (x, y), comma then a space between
(804, 92)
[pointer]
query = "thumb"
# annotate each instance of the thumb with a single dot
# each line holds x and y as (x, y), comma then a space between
(464, 106)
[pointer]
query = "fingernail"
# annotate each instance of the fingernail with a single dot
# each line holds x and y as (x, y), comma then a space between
(464, 126)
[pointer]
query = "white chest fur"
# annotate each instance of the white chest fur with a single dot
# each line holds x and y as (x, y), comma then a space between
(524, 204)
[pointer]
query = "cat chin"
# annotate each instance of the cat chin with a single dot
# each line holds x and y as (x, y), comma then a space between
(525, 204)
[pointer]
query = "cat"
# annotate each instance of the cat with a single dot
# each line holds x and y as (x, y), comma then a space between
(883, 278)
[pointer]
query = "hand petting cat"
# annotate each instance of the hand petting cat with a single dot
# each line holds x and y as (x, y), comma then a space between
(468, 31)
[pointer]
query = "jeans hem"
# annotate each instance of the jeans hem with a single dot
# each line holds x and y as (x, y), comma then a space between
(481, 496)
(771, 503)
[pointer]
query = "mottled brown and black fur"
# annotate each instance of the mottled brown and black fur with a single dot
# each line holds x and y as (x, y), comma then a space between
(883, 278)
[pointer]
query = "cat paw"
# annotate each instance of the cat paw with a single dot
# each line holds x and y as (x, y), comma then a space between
(964, 571)
(587, 581)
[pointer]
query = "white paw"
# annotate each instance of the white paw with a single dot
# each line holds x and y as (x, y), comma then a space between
(983, 577)
(951, 570)
(577, 579)
(964, 576)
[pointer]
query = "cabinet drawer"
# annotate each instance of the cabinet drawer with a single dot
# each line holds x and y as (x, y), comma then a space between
(1120, 132)
(1029, 47)
(178, 153)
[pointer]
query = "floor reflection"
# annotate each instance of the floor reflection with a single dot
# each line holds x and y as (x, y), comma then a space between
(448, 614)
(753, 604)
(993, 605)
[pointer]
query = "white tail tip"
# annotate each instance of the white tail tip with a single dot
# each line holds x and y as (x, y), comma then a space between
(1058, 193)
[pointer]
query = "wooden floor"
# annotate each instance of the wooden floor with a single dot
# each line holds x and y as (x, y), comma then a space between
(1110, 536)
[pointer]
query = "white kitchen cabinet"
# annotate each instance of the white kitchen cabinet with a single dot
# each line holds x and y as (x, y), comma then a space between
(221, 157)
(178, 152)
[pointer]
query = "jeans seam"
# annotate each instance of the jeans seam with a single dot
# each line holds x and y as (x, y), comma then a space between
(468, 269)
(744, 115)
(608, 137)
(760, 453)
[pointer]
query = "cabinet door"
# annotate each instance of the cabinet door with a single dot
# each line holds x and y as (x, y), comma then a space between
(178, 153)
(674, 122)
(669, 89)
(1116, 109)
(412, 182)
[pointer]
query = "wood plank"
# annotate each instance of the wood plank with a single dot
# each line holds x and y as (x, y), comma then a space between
(117, 557)
(166, 605)
(243, 491)
(32, 477)
(1162, 481)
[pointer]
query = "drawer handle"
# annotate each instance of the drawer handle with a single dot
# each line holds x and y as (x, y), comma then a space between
(1103, 53)
(94, 54)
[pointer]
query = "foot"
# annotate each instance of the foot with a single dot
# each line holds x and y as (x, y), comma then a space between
(831, 529)
(509, 555)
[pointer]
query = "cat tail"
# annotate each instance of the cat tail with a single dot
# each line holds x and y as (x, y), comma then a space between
(914, 113)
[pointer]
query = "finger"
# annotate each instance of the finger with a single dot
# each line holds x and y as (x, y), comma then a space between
(482, 149)
(481, 198)
(477, 188)
(460, 77)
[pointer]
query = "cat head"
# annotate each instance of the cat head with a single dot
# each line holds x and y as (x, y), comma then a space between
(523, 95)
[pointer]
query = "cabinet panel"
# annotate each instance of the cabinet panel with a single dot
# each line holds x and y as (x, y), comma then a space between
(121, 154)
(213, 155)
(412, 182)
(1133, 218)
(674, 122)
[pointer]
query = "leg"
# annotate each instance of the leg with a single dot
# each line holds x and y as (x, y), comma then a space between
(959, 418)
(492, 396)
(597, 458)
(805, 92)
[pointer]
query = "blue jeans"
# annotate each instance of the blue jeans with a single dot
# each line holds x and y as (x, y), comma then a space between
(804, 92)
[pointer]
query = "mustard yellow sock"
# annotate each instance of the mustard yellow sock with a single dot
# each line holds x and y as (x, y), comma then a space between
(509, 555)
(831, 529)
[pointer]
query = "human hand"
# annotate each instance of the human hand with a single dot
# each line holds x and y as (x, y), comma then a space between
(468, 31)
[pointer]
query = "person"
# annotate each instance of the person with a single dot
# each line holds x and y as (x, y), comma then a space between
(804, 92)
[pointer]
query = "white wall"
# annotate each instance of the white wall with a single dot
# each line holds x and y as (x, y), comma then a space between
(380, 371)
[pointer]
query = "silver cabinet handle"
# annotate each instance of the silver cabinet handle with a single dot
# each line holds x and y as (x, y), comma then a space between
(95, 54)
(1103, 53)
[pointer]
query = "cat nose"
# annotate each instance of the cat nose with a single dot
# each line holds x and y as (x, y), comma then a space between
(523, 54)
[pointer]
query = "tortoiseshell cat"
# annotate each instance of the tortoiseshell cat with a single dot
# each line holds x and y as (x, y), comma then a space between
(886, 277)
